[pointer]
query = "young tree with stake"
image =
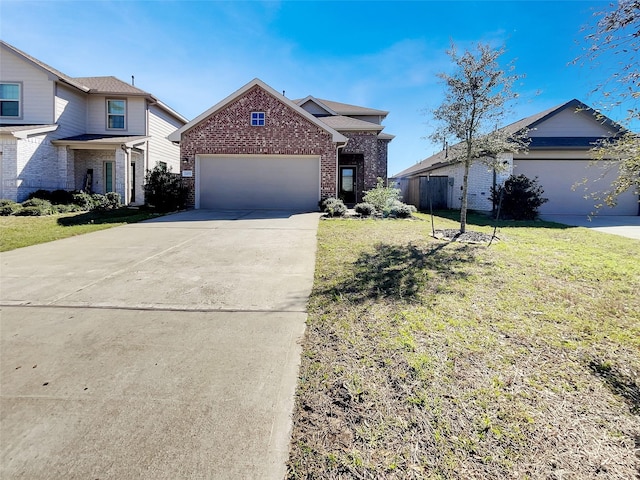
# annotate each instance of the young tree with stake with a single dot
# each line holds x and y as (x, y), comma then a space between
(477, 98)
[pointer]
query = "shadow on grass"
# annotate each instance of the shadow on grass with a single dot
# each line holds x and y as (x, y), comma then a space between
(484, 220)
(619, 383)
(402, 272)
(120, 215)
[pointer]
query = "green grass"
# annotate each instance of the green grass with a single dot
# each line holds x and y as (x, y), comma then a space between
(430, 359)
(17, 232)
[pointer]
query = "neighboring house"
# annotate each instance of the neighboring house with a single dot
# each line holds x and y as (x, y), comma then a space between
(97, 134)
(559, 155)
(259, 149)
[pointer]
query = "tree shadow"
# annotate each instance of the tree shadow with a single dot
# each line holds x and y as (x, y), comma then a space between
(402, 272)
(619, 383)
(485, 220)
(120, 215)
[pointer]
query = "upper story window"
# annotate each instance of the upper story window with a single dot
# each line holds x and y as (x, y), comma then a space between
(9, 99)
(257, 119)
(116, 114)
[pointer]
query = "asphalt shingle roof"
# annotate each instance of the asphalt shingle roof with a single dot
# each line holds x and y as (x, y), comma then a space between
(442, 157)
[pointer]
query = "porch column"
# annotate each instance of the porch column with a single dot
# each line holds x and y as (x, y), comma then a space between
(122, 174)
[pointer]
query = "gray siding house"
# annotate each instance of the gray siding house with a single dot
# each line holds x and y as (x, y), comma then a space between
(97, 134)
(559, 156)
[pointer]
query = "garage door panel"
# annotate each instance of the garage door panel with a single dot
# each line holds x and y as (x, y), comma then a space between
(558, 178)
(259, 182)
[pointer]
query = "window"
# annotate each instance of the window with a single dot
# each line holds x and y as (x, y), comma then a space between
(257, 119)
(116, 112)
(9, 99)
(108, 177)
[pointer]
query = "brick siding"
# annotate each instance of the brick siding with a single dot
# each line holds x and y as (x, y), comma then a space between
(286, 132)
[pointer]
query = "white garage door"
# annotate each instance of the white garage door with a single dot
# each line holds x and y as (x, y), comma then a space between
(558, 177)
(258, 182)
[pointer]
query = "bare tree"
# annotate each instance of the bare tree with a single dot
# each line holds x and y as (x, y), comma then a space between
(615, 39)
(477, 97)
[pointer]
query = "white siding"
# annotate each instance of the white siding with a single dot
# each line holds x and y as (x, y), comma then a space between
(97, 116)
(480, 183)
(569, 123)
(161, 124)
(71, 112)
(37, 89)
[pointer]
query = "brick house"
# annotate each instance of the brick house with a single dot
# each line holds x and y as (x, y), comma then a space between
(561, 139)
(97, 134)
(259, 149)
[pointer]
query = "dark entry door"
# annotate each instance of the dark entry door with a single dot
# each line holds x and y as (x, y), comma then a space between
(347, 187)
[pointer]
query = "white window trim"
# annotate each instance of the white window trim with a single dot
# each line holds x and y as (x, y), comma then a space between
(19, 116)
(257, 117)
(124, 129)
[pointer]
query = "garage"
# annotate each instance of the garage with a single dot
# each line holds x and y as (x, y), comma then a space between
(557, 177)
(265, 182)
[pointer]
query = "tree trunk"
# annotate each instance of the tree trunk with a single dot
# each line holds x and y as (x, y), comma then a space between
(465, 188)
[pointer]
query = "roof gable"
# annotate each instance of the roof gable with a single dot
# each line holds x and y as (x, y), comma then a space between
(56, 74)
(256, 82)
(315, 107)
(571, 125)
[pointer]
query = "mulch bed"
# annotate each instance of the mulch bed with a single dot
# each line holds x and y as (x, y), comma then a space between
(454, 235)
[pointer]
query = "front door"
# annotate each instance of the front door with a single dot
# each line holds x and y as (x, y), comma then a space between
(133, 182)
(347, 187)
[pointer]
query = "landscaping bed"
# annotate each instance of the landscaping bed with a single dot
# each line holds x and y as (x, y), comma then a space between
(426, 358)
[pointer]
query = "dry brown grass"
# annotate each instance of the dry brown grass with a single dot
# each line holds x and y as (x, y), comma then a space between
(430, 359)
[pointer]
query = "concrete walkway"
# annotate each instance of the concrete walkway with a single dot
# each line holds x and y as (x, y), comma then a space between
(625, 226)
(161, 350)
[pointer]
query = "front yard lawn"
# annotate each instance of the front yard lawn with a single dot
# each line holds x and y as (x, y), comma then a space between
(430, 359)
(16, 232)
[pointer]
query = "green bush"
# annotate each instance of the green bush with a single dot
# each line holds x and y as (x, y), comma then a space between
(103, 203)
(401, 210)
(43, 206)
(521, 198)
(163, 190)
(334, 207)
(61, 197)
(67, 208)
(365, 209)
(381, 197)
(41, 194)
(33, 211)
(9, 207)
(82, 200)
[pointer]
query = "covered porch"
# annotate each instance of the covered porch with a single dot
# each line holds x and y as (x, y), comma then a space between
(102, 164)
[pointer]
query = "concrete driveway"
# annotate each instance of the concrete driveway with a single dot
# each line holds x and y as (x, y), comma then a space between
(625, 226)
(161, 350)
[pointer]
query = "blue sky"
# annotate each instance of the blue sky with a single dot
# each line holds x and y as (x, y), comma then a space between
(384, 55)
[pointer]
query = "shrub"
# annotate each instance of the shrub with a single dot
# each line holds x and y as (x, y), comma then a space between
(9, 207)
(66, 208)
(103, 203)
(334, 207)
(43, 206)
(163, 190)
(41, 194)
(381, 197)
(32, 211)
(365, 209)
(82, 200)
(521, 199)
(61, 197)
(401, 210)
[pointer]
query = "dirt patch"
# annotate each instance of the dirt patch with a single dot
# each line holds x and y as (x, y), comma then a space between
(469, 236)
